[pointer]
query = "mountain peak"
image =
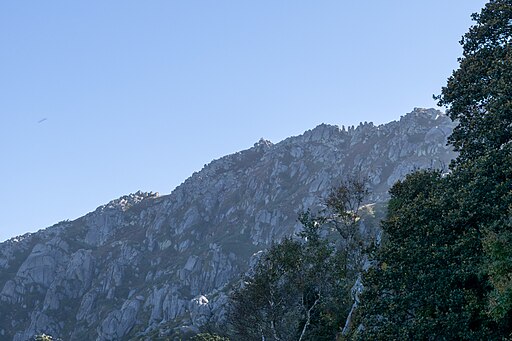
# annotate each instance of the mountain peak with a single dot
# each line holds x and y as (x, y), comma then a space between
(125, 202)
(425, 113)
(263, 143)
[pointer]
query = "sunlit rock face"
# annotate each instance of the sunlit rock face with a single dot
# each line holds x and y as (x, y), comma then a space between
(146, 265)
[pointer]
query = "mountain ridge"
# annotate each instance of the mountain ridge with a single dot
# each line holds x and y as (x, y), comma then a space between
(145, 263)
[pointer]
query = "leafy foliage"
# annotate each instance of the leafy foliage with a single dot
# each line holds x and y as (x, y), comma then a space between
(479, 93)
(295, 293)
(342, 214)
(497, 247)
(343, 204)
(300, 289)
(444, 269)
(426, 280)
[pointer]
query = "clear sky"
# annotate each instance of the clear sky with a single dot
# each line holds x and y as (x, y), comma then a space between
(102, 98)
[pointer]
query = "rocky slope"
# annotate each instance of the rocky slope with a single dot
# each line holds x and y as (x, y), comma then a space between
(146, 265)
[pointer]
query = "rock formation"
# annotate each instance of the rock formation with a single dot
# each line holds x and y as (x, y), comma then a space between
(146, 265)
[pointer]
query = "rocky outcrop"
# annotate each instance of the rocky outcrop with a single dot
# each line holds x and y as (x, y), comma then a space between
(146, 265)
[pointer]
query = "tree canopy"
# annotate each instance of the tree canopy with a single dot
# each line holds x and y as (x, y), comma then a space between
(296, 292)
(443, 271)
(479, 93)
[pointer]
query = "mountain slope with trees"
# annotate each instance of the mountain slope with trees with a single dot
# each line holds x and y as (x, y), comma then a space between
(146, 265)
(443, 269)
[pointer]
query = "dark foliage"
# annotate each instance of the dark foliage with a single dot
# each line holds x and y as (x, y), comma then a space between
(479, 93)
(296, 292)
(443, 272)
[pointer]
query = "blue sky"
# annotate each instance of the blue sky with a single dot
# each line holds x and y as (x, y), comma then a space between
(140, 94)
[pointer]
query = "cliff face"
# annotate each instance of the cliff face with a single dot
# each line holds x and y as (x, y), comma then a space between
(146, 264)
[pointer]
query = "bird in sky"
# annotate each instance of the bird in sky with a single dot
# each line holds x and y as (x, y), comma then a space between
(42, 120)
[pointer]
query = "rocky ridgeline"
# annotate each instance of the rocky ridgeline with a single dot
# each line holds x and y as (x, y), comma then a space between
(146, 265)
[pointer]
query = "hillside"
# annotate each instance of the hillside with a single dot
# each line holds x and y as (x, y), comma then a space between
(146, 264)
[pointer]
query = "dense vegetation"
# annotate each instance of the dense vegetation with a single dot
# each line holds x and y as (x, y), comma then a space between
(300, 288)
(443, 270)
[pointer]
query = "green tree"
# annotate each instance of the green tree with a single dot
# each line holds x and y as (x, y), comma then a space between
(479, 96)
(479, 93)
(296, 292)
(342, 214)
(300, 289)
(426, 282)
(499, 265)
(443, 270)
